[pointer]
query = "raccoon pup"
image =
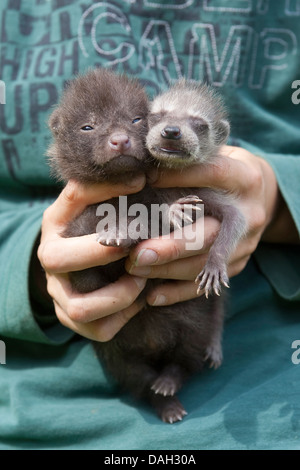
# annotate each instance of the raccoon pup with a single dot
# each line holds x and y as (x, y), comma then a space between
(99, 132)
(187, 125)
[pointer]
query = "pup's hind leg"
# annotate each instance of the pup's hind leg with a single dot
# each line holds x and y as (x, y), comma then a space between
(164, 401)
(169, 381)
(168, 408)
(138, 378)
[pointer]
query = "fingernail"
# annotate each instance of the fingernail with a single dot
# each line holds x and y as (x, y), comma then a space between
(160, 299)
(142, 271)
(136, 182)
(140, 281)
(146, 257)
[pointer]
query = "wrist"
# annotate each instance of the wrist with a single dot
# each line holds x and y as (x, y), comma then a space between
(280, 227)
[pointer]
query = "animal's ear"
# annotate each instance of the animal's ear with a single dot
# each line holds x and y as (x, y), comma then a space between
(55, 121)
(222, 129)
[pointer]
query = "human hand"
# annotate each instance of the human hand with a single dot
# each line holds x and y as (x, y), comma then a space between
(253, 181)
(100, 314)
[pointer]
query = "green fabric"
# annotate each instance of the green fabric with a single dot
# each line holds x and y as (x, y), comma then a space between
(59, 398)
(53, 393)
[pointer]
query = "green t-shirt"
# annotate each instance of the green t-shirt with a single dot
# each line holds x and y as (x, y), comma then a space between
(53, 392)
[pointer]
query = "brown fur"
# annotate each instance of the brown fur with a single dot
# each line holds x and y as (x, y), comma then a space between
(109, 104)
(160, 347)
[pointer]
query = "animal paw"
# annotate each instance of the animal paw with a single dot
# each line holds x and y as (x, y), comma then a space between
(210, 280)
(173, 411)
(214, 356)
(110, 239)
(184, 211)
(165, 386)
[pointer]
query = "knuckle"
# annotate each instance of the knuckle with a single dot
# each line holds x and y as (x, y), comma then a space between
(40, 254)
(51, 287)
(109, 328)
(46, 215)
(60, 316)
(105, 335)
(48, 257)
(129, 297)
(258, 218)
(76, 310)
(71, 193)
(111, 325)
(255, 179)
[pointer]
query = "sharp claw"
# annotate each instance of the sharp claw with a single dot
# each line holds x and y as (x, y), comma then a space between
(217, 291)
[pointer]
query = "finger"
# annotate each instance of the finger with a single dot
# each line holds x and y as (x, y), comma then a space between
(84, 308)
(103, 329)
(185, 269)
(62, 255)
(166, 249)
(170, 293)
(227, 171)
(75, 197)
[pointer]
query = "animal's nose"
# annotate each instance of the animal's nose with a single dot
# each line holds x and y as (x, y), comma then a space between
(119, 142)
(171, 132)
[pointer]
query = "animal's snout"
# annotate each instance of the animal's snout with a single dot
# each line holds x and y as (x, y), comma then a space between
(171, 132)
(119, 142)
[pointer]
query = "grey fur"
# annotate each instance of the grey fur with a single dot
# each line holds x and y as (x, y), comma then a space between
(159, 348)
(187, 125)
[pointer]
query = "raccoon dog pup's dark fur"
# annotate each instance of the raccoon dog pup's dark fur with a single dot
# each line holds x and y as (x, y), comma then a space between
(100, 129)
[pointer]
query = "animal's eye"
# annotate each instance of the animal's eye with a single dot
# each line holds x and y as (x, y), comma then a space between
(199, 124)
(87, 128)
(135, 120)
(155, 118)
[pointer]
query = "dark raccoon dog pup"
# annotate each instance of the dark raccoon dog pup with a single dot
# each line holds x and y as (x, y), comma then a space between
(99, 129)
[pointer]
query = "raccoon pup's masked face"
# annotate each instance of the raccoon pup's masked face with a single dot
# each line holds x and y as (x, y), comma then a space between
(186, 125)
